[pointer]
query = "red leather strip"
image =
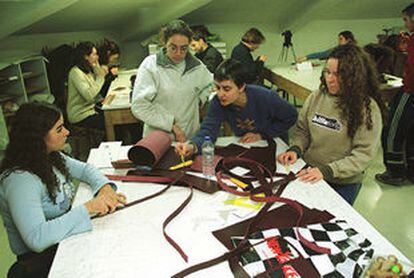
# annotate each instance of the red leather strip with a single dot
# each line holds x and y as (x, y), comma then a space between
(132, 178)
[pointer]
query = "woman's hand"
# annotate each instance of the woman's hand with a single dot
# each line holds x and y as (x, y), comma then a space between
(250, 137)
(263, 58)
(301, 59)
(184, 149)
(179, 133)
(111, 198)
(114, 70)
(97, 206)
(311, 174)
(287, 158)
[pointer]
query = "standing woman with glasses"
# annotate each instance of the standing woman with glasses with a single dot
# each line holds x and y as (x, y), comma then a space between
(171, 85)
(339, 127)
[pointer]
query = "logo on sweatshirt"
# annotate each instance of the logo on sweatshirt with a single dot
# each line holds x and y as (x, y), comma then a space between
(330, 123)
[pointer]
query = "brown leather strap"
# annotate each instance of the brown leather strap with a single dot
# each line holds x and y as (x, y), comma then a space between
(261, 173)
(170, 218)
(133, 178)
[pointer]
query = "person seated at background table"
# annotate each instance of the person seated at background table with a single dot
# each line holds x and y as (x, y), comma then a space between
(250, 42)
(109, 54)
(87, 86)
(399, 43)
(253, 112)
(339, 127)
(207, 53)
(344, 37)
(36, 190)
(171, 85)
(384, 58)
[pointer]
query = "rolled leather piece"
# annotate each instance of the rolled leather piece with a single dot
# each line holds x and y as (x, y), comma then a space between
(149, 150)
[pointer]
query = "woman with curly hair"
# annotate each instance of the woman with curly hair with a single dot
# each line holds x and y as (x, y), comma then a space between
(36, 190)
(339, 126)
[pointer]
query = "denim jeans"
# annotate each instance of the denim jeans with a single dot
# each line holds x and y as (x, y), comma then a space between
(347, 191)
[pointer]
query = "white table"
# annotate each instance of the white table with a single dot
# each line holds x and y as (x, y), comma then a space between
(117, 106)
(130, 242)
(302, 83)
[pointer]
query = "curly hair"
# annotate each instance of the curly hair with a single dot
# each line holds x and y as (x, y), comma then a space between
(27, 150)
(359, 85)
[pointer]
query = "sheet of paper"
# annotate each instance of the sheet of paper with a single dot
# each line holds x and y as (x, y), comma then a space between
(111, 149)
(240, 171)
(99, 158)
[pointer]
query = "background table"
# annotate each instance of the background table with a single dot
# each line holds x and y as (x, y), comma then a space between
(117, 106)
(301, 84)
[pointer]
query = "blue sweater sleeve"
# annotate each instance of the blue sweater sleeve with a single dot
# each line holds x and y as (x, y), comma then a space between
(319, 55)
(211, 123)
(87, 173)
(23, 193)
(282, 115)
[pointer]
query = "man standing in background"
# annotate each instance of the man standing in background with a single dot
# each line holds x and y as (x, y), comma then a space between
(398, 134)
(207, 53)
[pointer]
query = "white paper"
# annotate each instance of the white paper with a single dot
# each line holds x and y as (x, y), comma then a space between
(304, 66)
(99, 158)
(239, 171)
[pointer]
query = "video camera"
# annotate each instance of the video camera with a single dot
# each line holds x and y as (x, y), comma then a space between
(287, 38)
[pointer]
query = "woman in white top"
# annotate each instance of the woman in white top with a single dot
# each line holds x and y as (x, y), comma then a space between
(171, 85)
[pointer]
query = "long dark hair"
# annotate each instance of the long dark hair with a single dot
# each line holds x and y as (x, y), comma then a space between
(83, 49)
(349, 36)
(359, 84)
(27, 150)
(106, 49)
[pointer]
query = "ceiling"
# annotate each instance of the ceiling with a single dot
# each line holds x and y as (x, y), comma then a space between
(136, 19)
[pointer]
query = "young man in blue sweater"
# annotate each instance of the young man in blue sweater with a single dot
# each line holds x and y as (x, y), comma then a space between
(253, 112)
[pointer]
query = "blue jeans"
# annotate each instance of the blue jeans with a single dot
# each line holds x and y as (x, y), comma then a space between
(347, 191)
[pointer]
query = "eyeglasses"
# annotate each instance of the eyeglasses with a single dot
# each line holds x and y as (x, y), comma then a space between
(173, 48)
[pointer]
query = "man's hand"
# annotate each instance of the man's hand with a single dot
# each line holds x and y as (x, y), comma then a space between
(184, 149)
(250, 137)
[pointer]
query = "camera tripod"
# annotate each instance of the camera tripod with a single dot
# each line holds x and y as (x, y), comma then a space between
(287, 44)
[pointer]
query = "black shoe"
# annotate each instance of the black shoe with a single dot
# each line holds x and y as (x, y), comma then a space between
(387, 178)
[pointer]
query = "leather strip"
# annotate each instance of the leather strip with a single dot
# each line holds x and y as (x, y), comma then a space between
(260, 172)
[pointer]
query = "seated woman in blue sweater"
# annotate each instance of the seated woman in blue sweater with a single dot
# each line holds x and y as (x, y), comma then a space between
(344, 37)
(36, 190)
(253, 112)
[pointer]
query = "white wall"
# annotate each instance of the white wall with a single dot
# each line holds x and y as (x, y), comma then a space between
(15, 47)
(320, 35)
(132, 54)
(317, 35)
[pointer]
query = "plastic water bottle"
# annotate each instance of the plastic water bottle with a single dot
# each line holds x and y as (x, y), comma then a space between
(207, 150)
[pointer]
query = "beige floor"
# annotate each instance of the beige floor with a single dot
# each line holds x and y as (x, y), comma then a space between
(389, 209)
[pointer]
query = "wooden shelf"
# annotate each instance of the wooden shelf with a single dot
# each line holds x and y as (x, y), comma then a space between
(35, 90)
(22, 82)
(6, 98)
(31, 75)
